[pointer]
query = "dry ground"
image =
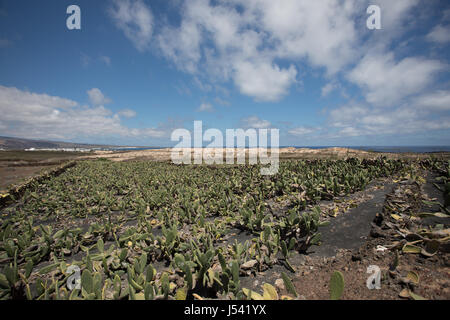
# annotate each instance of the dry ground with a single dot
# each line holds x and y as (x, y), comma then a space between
(17, 166)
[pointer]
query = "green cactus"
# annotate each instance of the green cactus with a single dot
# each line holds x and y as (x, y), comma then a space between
(149, 292)
(10, 248)
(284, 249)
(40, 286)
(288, 284)
(235, 271)
(188, 275)
(181, 294)
(97, 285)
(117, 285)
(165, 284)
(87, 283)
(336, 285)
(28, 292)
(100, 245)
(49, 268)
(105, 265)
(151, 272)
(11, 275)
(132, 293)
(131, 281)
(56, 288)
(139, 264)
(123, 254)
(4, 283)
(89, 265)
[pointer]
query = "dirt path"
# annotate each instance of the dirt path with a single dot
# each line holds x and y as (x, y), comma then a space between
(351, 229)
(346, 232)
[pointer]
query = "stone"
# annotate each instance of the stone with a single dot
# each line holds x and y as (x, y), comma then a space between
(279, 284)
(249, 264)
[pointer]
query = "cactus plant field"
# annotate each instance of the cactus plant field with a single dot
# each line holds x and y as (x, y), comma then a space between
(155, 230)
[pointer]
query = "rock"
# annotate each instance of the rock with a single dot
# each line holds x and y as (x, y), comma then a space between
(279, 284)
(249, 264)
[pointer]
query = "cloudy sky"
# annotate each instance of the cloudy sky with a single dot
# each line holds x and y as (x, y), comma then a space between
(138, 69)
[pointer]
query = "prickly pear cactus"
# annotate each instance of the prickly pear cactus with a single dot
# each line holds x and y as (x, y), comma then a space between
(336, 285)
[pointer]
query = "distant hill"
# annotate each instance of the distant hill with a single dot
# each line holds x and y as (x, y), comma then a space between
(9, 143)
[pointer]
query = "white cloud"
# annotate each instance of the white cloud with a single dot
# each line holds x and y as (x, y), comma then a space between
(202, 86)
(205, 107)
(27, 100)
(321, 31)
(394, 13)
(127, 113)
(262, 80)
(255, 122)
(328, 88)
(135, 19)
(440, 34)
(149, 132)
(436, 101)
(354, 120)
(349, 132)
(387, 82)
(301, 131)
(182, 45)
(242, 40)
(261, 47)
(346, 114)
(97, 98)
(41, 116)
(221, 101)
(372, 122)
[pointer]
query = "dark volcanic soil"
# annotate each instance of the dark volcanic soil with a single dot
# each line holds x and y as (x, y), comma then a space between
(353, 242)
(353, 259)
(350, 229)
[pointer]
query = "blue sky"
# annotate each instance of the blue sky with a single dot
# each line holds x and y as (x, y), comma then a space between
(139, 69)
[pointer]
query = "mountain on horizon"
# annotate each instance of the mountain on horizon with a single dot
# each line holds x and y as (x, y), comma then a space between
(11, 143)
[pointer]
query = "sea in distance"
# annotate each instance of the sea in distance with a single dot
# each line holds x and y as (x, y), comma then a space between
(388, 149)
